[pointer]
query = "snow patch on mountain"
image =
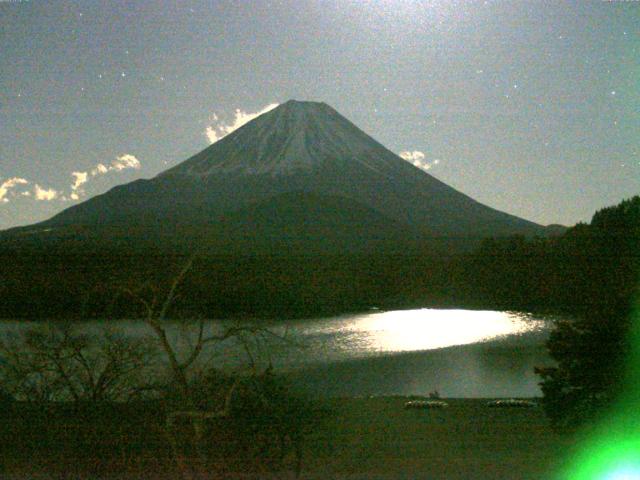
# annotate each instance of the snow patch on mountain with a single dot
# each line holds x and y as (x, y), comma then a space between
(294, 137)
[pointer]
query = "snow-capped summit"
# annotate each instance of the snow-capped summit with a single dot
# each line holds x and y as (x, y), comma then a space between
(295, 137)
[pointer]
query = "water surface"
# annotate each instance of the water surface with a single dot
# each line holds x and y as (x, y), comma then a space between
(460, 353)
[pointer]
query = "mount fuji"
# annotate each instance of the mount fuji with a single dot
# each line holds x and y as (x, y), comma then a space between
(301, 177)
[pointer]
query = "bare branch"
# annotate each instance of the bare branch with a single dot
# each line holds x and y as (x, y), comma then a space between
(197, 349)
(148, 306)
(176, 282)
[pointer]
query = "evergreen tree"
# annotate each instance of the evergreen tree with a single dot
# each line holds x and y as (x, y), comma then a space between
(599, 271)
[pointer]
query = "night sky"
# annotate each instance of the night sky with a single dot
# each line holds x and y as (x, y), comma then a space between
(529, 107)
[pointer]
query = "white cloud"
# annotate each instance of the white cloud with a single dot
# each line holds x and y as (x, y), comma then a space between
(45, 194)
(212, 135)
(412, 155)
(125, 161)
(219, 130)
(99, 169)
(121, 162)
(80, 179)
(9, 184)
(417, 159)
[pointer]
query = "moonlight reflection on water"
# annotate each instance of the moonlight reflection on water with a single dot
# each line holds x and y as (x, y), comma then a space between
(461, 353)
(422, 329)
(428, 329)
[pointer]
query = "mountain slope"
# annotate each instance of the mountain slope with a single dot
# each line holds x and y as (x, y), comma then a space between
(300, 148)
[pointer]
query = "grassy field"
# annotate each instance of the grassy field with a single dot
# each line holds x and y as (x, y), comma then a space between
(360, 438)
(378, 438)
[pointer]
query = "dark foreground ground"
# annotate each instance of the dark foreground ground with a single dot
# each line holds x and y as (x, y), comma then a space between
(360, 438)
(378, 438)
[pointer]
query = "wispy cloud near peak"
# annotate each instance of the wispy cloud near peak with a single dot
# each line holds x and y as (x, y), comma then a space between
(218, 130)
(125, 161)
(417, 159)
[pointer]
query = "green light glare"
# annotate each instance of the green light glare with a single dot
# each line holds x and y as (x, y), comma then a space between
(624, 473)
(610, 458)
(612, 450)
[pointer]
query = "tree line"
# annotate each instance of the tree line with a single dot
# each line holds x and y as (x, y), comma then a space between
(590, 275)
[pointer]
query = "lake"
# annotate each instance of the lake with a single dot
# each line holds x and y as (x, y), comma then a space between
(459, 353)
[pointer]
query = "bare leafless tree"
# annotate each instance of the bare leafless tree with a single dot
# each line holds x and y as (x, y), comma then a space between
(69, 362)
(181, 363)
(182, 360)
(59, 362)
